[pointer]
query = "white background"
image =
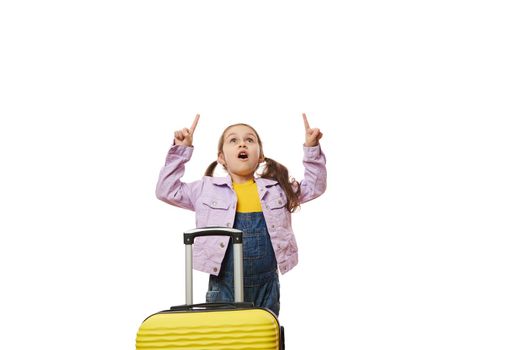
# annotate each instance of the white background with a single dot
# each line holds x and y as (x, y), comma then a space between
(418, 242)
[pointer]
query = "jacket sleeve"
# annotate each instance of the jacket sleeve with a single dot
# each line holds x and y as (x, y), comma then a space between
(314, 182)
(170, 188)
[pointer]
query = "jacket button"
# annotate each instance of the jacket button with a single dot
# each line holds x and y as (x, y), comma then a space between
(222, 245)
(279, 202)
(214, 203)
(215, 269)
(227, 224)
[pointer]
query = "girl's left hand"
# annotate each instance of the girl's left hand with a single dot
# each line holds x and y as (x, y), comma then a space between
(312, 136)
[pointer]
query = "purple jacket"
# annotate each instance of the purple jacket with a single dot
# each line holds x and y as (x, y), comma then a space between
(214, 201)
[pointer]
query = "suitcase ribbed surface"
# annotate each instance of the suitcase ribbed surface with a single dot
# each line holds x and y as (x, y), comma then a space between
(210, 330)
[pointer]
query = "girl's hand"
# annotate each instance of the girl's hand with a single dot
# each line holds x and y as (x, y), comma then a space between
(185, 136)
(312, 136)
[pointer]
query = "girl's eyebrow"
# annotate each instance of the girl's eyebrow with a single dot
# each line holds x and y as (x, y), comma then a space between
(233, 133)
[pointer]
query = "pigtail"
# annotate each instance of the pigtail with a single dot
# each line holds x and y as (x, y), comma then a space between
(280, 173)
(210, 170)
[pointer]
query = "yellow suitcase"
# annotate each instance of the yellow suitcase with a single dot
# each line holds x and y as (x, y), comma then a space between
(237, 325)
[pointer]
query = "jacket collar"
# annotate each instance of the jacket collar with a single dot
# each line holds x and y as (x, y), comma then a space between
(220, 181)
(261, 182)
(265, 182)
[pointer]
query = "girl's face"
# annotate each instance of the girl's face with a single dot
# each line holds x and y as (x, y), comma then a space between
(241, 153)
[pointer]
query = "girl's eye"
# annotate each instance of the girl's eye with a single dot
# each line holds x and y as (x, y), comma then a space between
(250, 140)
(232, 140)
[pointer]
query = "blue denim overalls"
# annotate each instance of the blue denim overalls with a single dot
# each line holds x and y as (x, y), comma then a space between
(261, 282)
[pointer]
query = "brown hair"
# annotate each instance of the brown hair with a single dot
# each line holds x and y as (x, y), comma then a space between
(273, 170)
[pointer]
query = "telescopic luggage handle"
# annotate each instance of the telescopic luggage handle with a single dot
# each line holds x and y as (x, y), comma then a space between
(237, 239)
(190, 235)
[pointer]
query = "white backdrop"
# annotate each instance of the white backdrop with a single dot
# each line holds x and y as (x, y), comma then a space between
(418, 242)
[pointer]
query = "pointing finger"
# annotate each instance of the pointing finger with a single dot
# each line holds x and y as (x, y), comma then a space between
(306, 122)
(194, 124)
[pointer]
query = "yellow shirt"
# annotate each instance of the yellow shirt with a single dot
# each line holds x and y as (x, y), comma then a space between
(247, 197)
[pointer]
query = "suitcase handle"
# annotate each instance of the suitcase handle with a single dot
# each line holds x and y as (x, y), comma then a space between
(213, 306)
(237, 239)
(190, 235)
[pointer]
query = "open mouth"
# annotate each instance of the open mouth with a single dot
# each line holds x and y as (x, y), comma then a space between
(242, 155)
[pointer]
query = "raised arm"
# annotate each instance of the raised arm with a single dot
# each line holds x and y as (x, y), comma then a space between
(314, 182)
(170, 188)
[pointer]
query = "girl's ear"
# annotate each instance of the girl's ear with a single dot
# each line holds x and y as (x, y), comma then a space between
(221, 158)
(261, 159)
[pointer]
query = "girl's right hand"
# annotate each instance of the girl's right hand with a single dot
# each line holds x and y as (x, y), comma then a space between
(185, 136)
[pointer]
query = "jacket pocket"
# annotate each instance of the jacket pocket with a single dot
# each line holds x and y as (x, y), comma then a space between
(276, 203)
(276, 208)
(214, 211)
(215, 203)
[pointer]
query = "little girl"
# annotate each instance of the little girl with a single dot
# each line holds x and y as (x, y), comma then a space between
(258, 204)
